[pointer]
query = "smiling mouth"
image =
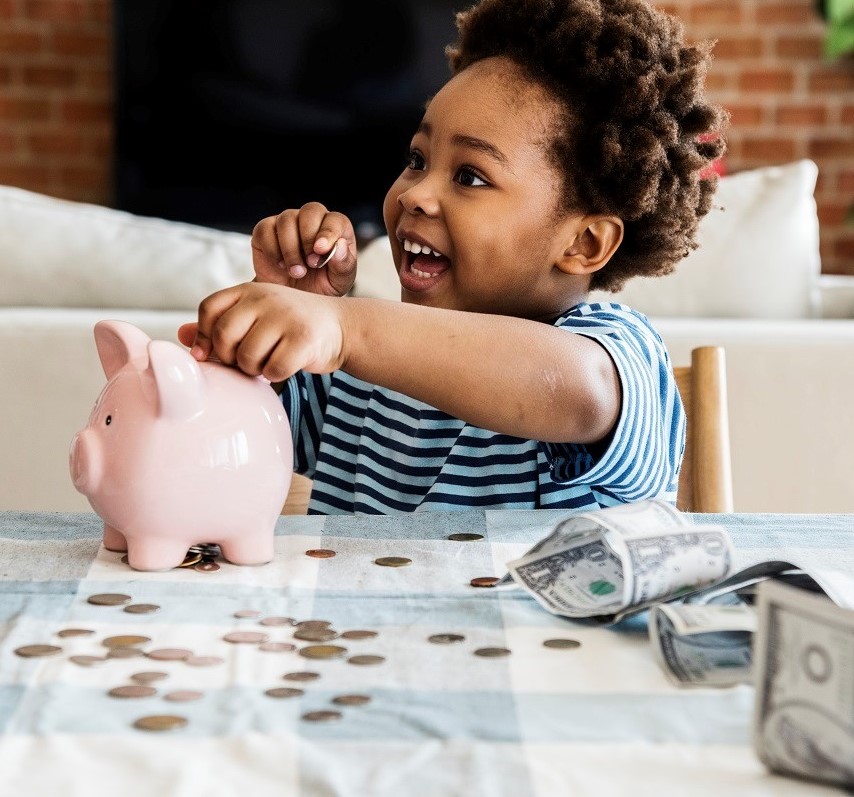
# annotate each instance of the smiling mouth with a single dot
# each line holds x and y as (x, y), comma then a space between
(423, 263)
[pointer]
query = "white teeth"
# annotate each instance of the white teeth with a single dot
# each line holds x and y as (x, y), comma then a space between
(422, 274)
(419, 249)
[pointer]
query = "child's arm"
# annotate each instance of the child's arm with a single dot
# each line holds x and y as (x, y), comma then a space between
(513, 376)
(288, 249)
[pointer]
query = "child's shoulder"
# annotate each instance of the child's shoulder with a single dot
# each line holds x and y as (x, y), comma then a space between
(609, 318)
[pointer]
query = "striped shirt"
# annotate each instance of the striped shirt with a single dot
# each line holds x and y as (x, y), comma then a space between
(371, 450)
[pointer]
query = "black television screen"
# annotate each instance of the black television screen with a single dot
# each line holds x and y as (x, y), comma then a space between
(231, 110)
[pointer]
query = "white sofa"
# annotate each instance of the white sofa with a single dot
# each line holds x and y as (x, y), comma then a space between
(753, 286)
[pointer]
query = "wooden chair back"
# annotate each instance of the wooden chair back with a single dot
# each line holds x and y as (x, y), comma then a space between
(705, 481)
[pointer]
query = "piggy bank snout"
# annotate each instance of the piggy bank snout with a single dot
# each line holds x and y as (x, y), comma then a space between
(86, 461)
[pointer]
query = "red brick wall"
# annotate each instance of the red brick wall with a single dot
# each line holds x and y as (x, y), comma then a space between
(786, 101)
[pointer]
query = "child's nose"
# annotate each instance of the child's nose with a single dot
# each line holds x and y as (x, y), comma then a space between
(420, 198)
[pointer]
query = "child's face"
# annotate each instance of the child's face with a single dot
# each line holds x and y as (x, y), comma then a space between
(480, 190)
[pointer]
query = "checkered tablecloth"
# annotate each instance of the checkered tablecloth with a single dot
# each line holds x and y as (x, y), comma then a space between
(597, 720)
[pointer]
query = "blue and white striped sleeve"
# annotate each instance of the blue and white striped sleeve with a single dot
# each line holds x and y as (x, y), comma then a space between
(643, 457)
(304, 399)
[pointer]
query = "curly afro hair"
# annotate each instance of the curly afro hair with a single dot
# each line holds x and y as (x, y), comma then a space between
(636, 135)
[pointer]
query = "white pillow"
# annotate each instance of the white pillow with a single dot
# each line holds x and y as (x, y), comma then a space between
(70, 254)
(758, 255)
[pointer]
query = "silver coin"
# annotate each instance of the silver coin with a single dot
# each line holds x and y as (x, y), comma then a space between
(141, 608)
(183, 695)
(277, 647)
(322, 652)
(351, 700)
(148, 677)
(243, 614)
(109, 599)
(358, 634)
(301, 676)
(37, 651)
(365, 660)
(125, 652)
(87, 661)
(492, 653)
(160, 722)
(246, 637)
(316, 634)
(465, 537)
(563, 643)
(277, 621)
(284, 691)
(125, 641)
(204, 661)
(445, 639)
(169, 654)
(132, 691)
(322, 716)
(73, 632)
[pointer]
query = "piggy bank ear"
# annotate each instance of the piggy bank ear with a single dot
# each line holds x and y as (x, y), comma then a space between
(118, 343)
(178, 379)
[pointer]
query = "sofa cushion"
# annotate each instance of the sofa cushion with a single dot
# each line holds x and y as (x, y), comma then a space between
(70, 254)
(758, 254)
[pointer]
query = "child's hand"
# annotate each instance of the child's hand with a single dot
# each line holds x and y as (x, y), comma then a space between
(268, 330)
(287, 249)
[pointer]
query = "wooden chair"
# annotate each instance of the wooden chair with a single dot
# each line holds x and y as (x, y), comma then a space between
(705, 482)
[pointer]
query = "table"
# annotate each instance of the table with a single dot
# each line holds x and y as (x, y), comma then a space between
(598, 720)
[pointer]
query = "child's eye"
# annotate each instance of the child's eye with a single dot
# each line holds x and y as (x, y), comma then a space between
(470, 178)
(415, 160)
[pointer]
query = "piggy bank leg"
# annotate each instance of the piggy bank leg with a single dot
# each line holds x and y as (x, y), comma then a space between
(114, 540)
(156, 554)
(250, 549)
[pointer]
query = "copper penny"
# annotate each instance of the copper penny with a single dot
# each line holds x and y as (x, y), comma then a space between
(141, 608)
(465, 537)
(276, 621)
(161, 722)
(183, 695)
(244, 613)
(277, 647)
(351, 700)
(148, 677)
(484, 581)
(492, 653)
(246, 637)
(284, 691)
(563, 643)
(134, 690)
(109, 599)
(365, 659)
(358, 634)
(315, 634)
(72, 632)
(125, 641)
(204, 661)
(392, 561)
(169, 654)
(87, 661)
(301, 676)
(37, 651)
(445, 639)
(322, 716)
(320, 553)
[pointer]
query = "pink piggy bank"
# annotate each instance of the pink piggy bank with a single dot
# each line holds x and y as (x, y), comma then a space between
(178, 452)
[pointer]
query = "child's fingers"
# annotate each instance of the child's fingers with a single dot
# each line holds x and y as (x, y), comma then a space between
(187, 333)
(285, 360)
(254, 350)
(289, 243)
(333, 227)
(209, 332)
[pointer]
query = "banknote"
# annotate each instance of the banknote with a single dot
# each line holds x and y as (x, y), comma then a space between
(803, 723)
(613, 562)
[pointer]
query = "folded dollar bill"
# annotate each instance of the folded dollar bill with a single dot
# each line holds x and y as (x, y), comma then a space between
(803, 722)
(613, 562)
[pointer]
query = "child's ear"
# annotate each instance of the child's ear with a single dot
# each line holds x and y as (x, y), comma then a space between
(592, 243)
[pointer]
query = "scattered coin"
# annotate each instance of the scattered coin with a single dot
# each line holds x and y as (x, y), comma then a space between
(392, 561)
(277, 647)
(160, 722)
(301, 676)
(246, 637)
(351, 700)
(284, 691)
(183, 695)
(134, 690)
(124, 652)
(315, 634)
(109, 599)
(245, 613)
(169, 654)
(191, 559)
(125, 641)
(564, 643)
(207, 567)
(204, 661)
(465, 537)
(322, 651)
(492, 653)
(365, 659)
(148, 677)
(484, 581)
(322, 716)
(87, 661)
(141, 608)
(304, 625)
(37, 651)
(358, 634)
(124, 560)
(320, 553)
(445, 639)
(276, 621)
(72, 632)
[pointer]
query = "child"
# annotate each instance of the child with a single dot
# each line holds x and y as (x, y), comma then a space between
(561, 156)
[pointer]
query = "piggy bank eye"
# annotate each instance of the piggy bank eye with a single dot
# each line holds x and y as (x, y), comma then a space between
(109, 420)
